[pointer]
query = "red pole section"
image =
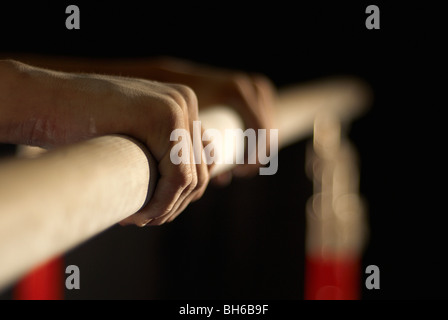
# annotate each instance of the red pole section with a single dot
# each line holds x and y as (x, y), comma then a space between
(332, 278)
(43, 283)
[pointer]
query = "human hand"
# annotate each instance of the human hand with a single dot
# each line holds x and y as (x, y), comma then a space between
(251, 95)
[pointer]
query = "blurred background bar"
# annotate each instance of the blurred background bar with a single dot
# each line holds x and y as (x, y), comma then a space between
(336, 219)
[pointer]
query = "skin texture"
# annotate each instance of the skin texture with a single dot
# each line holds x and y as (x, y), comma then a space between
(83, 99)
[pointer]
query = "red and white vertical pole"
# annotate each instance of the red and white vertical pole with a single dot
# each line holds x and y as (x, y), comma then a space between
(336, 229)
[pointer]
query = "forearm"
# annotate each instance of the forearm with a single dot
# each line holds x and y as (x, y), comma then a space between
(35, 103)
(155, 68)
(19, 96)
(202, 79)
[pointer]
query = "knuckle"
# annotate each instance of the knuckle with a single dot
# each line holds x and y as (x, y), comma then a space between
(173, 113)
(176, 97)
(239, 85)
(194, 181)
(183, 178)
(263, 82)
(185, 96)
(239, 78)
(187, 93)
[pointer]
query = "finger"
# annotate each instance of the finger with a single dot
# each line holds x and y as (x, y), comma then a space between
(194, 196)
(203, 179)
(199, 168)
(248, 108)
(202, 168)
(186, 194)
(261, 100)
(246, 100)
(186, 191)
(196, 131)
(174, 179)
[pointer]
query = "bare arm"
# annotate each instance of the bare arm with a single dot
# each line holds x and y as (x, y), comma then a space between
(251, 95)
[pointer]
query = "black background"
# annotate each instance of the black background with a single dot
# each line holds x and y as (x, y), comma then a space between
(246, 240)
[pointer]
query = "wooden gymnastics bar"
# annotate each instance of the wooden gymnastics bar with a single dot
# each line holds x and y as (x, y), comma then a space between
(56, 201)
